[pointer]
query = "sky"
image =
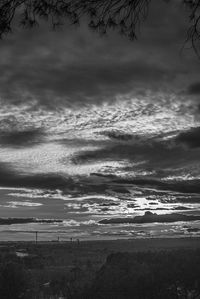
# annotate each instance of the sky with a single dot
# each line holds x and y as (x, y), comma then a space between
(83, 116)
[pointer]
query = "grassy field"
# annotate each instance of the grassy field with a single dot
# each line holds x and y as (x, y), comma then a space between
(67, 269)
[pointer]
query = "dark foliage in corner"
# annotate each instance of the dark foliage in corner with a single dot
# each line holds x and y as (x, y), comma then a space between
(123, 15)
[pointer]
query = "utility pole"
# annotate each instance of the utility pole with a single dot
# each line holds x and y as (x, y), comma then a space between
(36, 237)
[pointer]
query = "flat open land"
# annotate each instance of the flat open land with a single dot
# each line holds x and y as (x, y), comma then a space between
(110, 245)
(73, 253)
(70, 268)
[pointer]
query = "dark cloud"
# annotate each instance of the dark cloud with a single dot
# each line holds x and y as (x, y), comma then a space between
(150, 217)
(157, 158)
(82, 81)
(19, 139)
(117, 135)
(75, 66)
(191, 137)
(11, 178)
(155, 154)
(183, 186)
(194, 89)
(190, 186)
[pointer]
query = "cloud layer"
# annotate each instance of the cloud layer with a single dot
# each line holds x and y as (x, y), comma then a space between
(75, 66)
(25, 138)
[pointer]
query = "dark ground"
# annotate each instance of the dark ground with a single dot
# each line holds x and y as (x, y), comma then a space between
(85, 269)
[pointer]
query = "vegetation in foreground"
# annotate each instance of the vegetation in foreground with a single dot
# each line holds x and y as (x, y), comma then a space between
(55, 272)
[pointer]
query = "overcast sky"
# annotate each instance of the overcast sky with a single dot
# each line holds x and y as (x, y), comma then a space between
(76, 66)
(75, 103)
(94, 126)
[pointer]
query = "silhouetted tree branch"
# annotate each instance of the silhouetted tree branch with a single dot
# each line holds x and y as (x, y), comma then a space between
(193, 34)
(124, 15)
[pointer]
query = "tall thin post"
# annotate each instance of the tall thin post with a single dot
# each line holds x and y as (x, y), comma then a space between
(36, 237)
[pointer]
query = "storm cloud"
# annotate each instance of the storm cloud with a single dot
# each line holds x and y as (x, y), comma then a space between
(24, 138)
(152, 153)
(194, 89)
(83, 81)
(9, 177)
(190, 138)
(75, 66)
